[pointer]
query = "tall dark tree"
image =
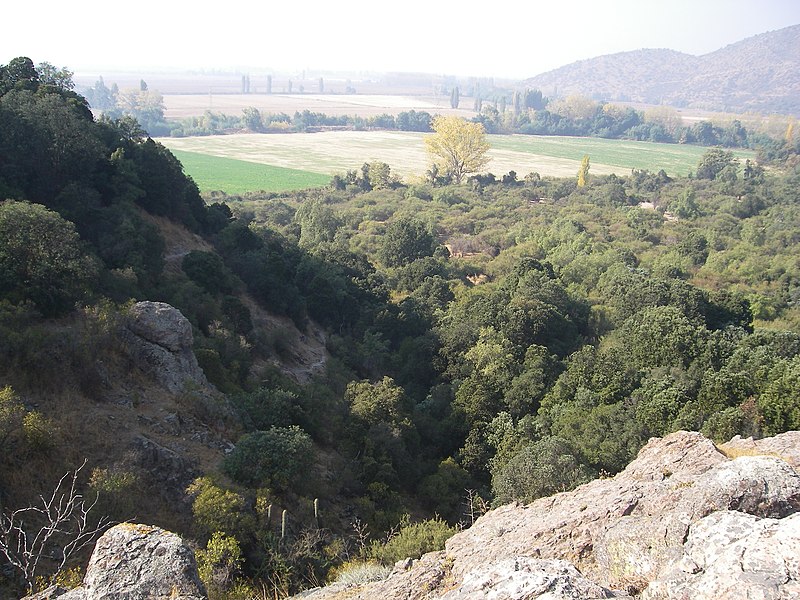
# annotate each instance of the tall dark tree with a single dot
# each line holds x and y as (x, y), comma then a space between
(454, 97)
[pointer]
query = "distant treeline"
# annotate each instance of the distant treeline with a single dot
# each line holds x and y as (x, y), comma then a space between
(212, 123)
(525, 113)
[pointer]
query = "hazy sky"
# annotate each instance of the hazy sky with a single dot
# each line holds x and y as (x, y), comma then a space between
(500, 39)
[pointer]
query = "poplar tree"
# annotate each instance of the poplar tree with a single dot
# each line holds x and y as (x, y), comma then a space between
(583, 172)
(454, 98)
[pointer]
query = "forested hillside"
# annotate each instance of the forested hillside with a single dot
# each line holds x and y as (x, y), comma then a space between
(500, 339)
(757, 74)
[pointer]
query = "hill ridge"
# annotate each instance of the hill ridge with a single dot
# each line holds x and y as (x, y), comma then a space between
(759, 73)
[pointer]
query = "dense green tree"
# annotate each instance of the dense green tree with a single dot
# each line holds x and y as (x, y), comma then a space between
(19, 73)
(252, 119)
(443, 490)
(381, 402)
(41, 258)
(208, 270)
(714, 162)
(53, 76)
(406, 240)
(661, 336)
(538, 469)
(273, 458)
(779, 404)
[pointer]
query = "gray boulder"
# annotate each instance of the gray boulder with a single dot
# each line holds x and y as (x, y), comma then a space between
(140, 562)
(634, 548)
(159, 340)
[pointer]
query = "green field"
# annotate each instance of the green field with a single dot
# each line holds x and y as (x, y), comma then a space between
(675, 159)
(238, 176)
(250, 162)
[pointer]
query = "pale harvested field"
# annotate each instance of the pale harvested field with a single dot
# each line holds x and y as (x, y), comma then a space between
(179, 106)
(333, 152)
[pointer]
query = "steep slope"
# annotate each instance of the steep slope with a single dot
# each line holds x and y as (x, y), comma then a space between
(760, 73)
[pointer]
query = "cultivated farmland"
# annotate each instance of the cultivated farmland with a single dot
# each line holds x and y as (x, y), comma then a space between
(237, 176)
(331, 152)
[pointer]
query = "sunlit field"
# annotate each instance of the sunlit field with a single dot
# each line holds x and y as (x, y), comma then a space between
(332, 152)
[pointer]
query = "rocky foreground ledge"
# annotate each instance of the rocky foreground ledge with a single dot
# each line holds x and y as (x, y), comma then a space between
(684, 520)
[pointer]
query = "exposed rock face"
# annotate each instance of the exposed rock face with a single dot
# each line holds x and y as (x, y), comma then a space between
(785, 445)
(527, 579)
(52, 592)
(167, 471)
(624, 533)
(159, 340)
(735, 556)
(140, 562)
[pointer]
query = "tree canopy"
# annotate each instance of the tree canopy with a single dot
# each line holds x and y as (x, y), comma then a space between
(457, 147)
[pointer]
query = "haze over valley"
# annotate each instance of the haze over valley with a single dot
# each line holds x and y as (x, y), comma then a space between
(325, 301)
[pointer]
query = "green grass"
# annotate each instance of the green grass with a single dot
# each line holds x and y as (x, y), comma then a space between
(234, 176)
(675, 159)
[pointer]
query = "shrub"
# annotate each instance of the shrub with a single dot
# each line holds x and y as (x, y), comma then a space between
(265, 408)
(272, 458)
(19, 427)
(219, 562)
(359, 573)
(208, 271)
(413, 540)
(219, 510)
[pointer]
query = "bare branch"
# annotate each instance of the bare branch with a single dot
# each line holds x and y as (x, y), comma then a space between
(51, 532)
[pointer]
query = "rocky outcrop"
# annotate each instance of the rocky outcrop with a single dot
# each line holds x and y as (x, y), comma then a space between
(140, 562)
(159, 340)
(526, 579)
(784, 445)
(624, 535)
(163, 469)
(735, 556)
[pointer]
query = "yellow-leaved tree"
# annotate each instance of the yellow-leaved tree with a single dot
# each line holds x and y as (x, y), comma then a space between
(457, 147)
(583, 172)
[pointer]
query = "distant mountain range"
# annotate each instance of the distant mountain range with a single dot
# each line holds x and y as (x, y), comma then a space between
(760, 74)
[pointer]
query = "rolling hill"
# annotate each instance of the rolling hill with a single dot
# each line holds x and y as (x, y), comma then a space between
(760, 74)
